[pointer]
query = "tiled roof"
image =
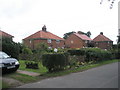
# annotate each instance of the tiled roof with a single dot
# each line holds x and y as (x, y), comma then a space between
(44, 34)
(83, 36)
(2, 33)
(101, 37)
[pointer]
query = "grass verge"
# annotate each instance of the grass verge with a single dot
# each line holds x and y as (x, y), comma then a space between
(27, 79)
(79, 69)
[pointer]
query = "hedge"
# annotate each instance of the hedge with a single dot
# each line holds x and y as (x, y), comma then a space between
(55, 61)
(91, 54)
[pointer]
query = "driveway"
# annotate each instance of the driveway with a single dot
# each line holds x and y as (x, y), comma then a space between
(105, 76)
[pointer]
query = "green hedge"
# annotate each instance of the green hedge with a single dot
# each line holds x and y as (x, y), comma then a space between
(76, 52)
(91, 54)
(55, 61)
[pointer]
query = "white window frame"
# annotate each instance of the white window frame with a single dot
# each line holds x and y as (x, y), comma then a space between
(57, 41)
(49, 41)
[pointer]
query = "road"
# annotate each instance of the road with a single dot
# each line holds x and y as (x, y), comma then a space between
(105, 76)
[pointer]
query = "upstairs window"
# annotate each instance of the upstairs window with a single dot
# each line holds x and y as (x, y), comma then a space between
(49, 41)
(57, 41)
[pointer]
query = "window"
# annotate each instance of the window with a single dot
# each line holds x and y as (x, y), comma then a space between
(57, 41)
(72, 42)
(30, 41)
(49, 40)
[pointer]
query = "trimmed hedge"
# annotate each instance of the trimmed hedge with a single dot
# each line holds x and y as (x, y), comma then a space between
(55, 61)
(91, 54)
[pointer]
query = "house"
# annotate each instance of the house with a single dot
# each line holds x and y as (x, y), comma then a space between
(4, 34)
(101, 41)
(77, 40)
(44, 36)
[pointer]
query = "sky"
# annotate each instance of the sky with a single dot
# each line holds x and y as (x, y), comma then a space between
(22, 18)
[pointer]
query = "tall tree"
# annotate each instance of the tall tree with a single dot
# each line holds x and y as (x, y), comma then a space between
(66, 35)
(88, 33)
(111, 3)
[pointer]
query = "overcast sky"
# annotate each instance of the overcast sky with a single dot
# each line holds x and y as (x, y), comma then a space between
(22, 18)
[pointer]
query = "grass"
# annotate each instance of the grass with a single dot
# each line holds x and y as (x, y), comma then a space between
(27, 79)
(21, 77)
(4, 85)
(79, 69)
(41, 69)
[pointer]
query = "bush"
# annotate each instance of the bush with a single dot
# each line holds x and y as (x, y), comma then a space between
(96, 54)
(77, 52)
(55, 61)
(26, 51)
(91, 54)
(10, 47)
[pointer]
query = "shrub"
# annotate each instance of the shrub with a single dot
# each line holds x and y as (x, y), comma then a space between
(97, 54)
(55, 61)
(10, 47)
(76, 52)
(26, 51)
(91, 54)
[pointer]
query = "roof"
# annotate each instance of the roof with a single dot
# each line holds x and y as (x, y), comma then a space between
(44, 35)
(101, 37)
(2, 33)
(83, 36)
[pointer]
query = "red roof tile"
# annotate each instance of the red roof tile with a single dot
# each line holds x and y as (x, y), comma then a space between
(83, 36)
(44, 34)
(101, 37)
(2, 33)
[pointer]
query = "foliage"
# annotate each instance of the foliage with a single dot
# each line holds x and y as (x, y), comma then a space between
(76, 52)
(66, 35)
(55, 61)
(91, 54)
(42, 47)
(26, 50)
(88, 33)
(111, 3)
(10, 47)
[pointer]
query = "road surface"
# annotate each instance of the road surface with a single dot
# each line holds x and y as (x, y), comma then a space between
(105, 76)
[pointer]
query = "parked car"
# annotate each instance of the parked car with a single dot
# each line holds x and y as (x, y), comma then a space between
(8, 64)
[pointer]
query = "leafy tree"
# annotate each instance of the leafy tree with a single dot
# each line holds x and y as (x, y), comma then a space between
(111, 3)
(88, 33)
(66, 35)
(42, 47)
(26, 50)
(10, 47)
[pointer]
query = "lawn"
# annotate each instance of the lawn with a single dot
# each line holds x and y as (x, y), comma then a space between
(41, 69)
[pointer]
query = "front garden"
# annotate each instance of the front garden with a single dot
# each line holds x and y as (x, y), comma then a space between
(50, 64)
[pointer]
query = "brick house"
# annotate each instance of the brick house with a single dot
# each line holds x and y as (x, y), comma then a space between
(4, 34)
(44, 36)
(102, 42)
(77, 40)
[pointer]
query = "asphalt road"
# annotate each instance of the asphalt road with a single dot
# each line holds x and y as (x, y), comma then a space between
(105, 76)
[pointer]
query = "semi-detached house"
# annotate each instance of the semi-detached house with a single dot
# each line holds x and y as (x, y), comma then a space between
(44, 36)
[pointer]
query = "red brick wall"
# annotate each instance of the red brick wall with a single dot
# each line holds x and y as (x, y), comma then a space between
(34, 43)
(74, 42)
(103, 45)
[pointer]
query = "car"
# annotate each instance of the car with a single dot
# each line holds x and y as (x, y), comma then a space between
(8, 64)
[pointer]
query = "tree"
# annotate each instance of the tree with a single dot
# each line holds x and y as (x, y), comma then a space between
(88, 33)
(10, 47)
(66, 35)
(111, 3)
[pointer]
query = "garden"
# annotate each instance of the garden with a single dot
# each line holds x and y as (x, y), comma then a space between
(49, 63)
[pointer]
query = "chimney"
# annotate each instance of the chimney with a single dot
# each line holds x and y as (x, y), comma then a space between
(44, 28)
(101, 33)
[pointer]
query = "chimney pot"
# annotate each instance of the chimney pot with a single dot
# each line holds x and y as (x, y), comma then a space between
(101, 33)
